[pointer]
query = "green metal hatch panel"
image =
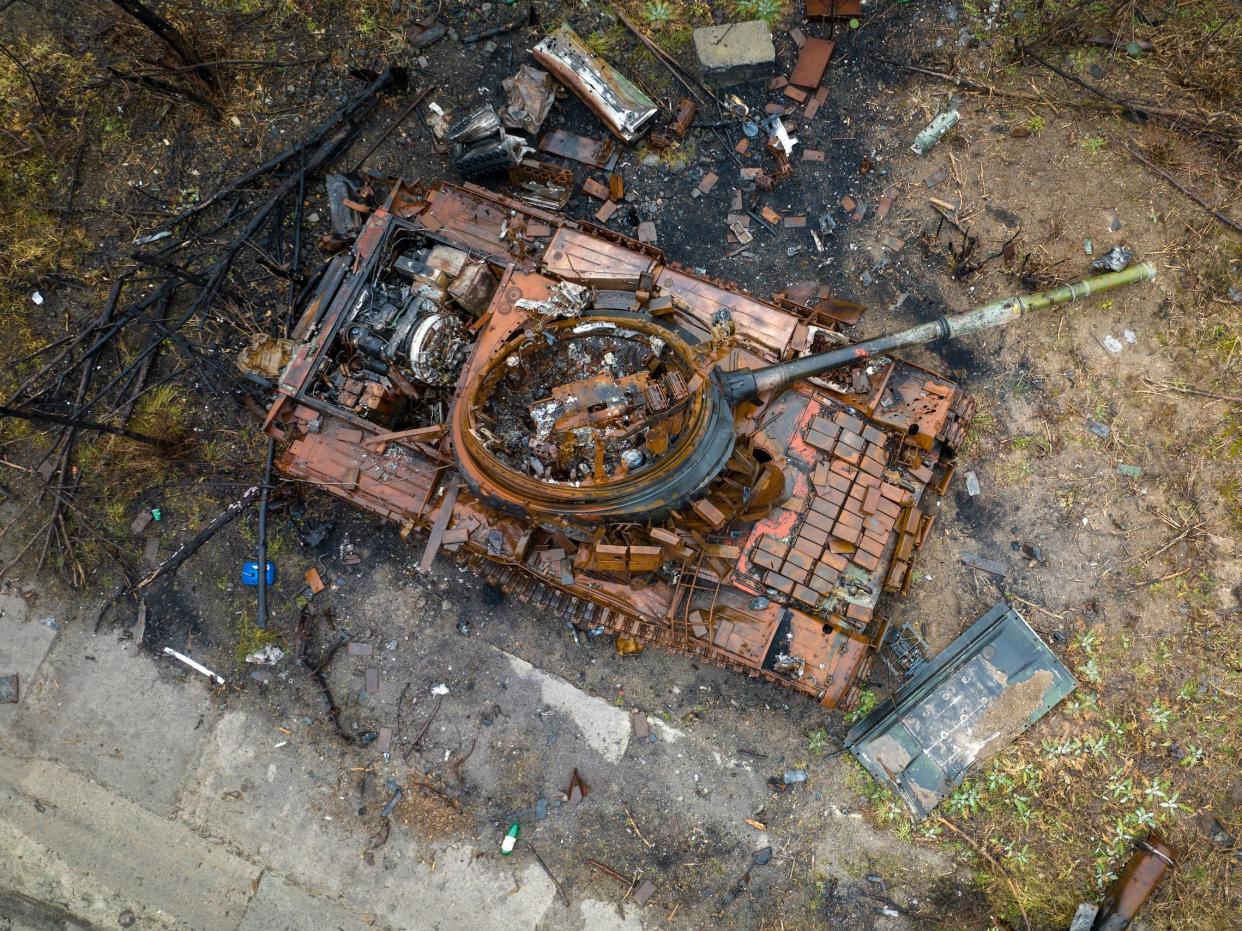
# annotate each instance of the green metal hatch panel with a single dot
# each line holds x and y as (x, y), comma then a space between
(962, 706)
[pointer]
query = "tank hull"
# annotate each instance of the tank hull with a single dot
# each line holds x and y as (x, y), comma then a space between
(779, 569)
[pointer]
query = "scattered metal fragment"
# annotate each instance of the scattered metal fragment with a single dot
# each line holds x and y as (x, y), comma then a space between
(195, 665)
(984, 564)
(595, 189)
(531, 96)
(9, 689)
(812, 63)
(598, 153)
(542, 184)
(481, 147)
(1143, 873)
(833, 9)
(1114, 260)
(391, 805)
(619, 104)
(1097, 428)
(578, 789)
(644, 892)
(429, 36)
(1130, 471)
(686, 111)
(935, 130)
(638, 721)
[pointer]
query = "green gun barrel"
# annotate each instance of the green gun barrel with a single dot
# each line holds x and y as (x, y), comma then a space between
(748, 384)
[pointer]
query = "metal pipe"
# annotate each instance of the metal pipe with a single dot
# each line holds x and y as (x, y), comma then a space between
(267, 484)
(748, 384)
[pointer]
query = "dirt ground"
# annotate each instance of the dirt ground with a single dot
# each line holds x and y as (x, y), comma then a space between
(1133, 577)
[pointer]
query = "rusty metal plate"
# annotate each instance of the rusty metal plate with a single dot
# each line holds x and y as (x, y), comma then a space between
(812, 63)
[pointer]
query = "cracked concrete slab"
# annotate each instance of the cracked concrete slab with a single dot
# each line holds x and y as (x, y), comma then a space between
(604, 727)
(24, 642)
(107, 853)
(292, 808)
(74, 709)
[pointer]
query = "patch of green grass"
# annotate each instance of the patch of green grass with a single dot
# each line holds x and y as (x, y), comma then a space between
(1061, 806)
(770, 11)
(982, 431)
(817, 741)
(250, 638)
(867, 700)
(607, 43)
(1093, 144)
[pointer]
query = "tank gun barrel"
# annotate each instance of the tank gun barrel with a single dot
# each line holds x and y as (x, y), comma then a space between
(747, 384)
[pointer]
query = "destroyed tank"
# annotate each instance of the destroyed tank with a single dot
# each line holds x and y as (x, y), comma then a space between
(636, 448)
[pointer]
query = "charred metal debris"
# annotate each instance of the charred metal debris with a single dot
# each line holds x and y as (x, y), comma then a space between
(642, 449)
(639, 448)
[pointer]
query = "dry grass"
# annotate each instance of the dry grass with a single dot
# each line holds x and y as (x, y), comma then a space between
(430, 812)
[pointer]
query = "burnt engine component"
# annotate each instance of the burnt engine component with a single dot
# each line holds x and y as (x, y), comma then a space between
(481, 147)
(407, 332)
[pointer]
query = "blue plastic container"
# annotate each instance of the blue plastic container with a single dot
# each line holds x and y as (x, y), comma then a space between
(250, 574)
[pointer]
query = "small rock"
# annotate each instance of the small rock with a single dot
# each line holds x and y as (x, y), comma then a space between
(972, 484)
(762, 856)
(312, 217)
(1095, 71)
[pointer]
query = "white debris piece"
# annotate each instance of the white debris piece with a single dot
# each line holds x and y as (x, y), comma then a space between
(267, 656)
(195, 665)
(440, 689)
